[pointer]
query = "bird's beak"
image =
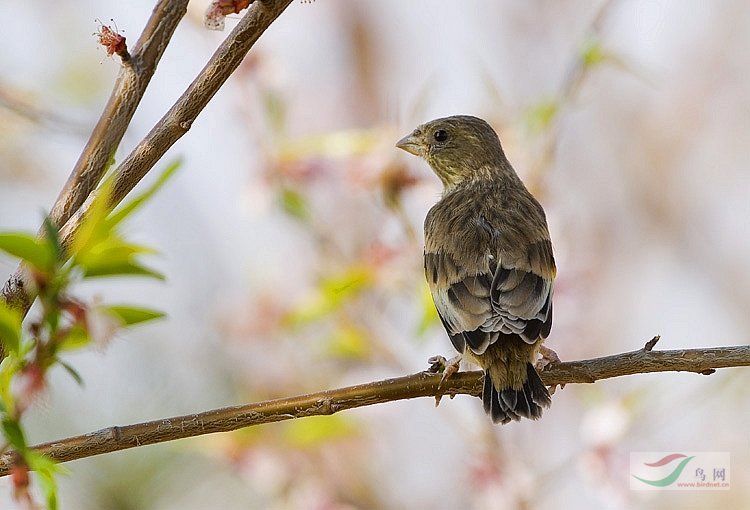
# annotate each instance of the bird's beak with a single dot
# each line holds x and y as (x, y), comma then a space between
(410, 144)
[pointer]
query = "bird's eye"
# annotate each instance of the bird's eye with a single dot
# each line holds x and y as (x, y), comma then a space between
(440, 135)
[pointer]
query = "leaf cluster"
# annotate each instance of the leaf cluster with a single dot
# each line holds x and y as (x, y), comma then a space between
(64, 323)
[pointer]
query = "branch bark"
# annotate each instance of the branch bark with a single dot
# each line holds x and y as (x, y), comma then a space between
(422, 384)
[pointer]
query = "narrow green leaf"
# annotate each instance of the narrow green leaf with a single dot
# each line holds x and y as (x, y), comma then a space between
(130, 315)
(10, 327)
(14, 434)
(127, 209)
(114, 257)
(93, 228)
(349, 342)
(106, 268)
(9, 367)
(52, 238)
(333, 292)
(113, 249)
(275, 109)
(27, 247)
(294, 204)
(46, 469)
(72, 371)
(429, 316)
(49, 488)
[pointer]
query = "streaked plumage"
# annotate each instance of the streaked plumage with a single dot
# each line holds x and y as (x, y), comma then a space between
(488, 261)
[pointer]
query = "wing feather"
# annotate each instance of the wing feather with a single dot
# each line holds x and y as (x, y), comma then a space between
(506, 288)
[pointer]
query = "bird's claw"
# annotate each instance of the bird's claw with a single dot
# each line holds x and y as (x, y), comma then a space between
(449, 367)
(549, 357)
(437, 364)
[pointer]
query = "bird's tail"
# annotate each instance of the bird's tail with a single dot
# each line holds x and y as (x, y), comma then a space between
(509, 404)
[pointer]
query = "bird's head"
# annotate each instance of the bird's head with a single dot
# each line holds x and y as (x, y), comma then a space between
(458, 148)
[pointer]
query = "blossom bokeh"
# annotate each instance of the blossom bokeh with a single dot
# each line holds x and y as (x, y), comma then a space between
(292, 243)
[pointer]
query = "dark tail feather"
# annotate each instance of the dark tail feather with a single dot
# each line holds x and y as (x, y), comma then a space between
(508, 404)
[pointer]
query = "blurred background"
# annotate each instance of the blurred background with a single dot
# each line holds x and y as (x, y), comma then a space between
(292, 242)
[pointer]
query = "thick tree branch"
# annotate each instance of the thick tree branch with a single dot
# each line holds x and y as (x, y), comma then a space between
(135, 75)
(423, 384)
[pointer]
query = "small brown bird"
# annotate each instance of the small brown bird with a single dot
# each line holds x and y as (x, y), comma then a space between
(488, 262)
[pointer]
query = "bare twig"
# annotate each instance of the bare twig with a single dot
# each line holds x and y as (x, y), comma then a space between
(14, 102)
(651, 343)
(423, 384)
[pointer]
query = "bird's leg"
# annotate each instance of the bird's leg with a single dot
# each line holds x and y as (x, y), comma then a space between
(548, 358)
(447, 367)
(437, 364)
(451, 367)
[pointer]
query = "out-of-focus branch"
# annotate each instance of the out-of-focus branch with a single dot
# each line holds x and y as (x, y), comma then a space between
(423, 384)
(78, 194)
(578, 71)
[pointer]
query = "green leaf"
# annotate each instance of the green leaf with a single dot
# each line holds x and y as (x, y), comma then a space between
(349, 342)
(333, 292)
(93, 229)
(429, 312)
(114, 257)
(98, 249)
(72, 371)
(275, 109)
(130, 315)
(8, 368)
(294, 204)
(10, 327)
(14, 434)
(52, 238)
(127, 209)
(341, 287)
(542, 114)
(315, 430)
(76, 338)
(46, 469)
(106, 268)
(592, 53)
(28, 248)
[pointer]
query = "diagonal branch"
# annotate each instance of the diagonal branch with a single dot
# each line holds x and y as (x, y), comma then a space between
(178, 120)
(422, 384)
(127, 93)
(134, 77)
(175, 123)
